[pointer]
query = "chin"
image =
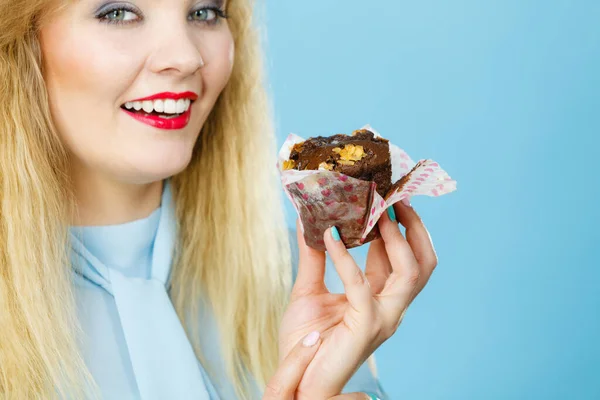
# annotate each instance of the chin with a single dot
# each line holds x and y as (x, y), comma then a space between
(153, 167)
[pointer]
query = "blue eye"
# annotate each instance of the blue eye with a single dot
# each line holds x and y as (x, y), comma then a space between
(118, 14)
(204, 15)
(209, 15)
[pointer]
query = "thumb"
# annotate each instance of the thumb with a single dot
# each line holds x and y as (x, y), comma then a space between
(311, 268)
(284, 383)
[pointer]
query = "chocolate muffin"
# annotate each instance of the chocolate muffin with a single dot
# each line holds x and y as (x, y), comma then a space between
(360, 155)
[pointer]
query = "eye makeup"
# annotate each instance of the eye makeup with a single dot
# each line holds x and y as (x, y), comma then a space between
(124, 13)
(118, 13)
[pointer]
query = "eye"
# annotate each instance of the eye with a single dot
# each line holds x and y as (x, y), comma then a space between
(208, 15)
(205, 14)
(120, 15)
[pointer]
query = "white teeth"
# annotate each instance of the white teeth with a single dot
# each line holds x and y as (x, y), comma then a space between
(159, 106)
(170, 106)
(167, 106)
(180, 106)
(148, 106)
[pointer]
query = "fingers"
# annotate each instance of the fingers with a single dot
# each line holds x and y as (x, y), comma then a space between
(413, 259)
(405, 268)
(418, 237)
(311, 269)
(378, 267)
(284, 383)
(356, 286)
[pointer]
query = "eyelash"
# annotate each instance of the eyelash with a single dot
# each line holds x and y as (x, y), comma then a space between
(219, 12)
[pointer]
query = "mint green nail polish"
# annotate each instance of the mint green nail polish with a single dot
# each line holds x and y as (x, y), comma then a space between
(372, 396)
(391, 213)
(335, 234)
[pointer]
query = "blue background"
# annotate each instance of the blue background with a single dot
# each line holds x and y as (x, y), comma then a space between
(505, 96)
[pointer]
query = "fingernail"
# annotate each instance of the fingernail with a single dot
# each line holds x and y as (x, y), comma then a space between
(311, 339)
(406, 202)
(335, 234)
(391, 213)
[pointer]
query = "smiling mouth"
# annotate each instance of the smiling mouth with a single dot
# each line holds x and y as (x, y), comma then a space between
(166, 109)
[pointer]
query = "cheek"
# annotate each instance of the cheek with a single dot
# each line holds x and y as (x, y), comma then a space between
(218, 56)
(83, 69)
(85, 73)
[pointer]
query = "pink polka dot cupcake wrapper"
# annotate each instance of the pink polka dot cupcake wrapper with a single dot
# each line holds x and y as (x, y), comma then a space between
(329, 199)
(325, 198)
(426, 178)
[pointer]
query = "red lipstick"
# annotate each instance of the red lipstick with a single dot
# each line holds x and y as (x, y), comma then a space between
(158, 121)
(178, 122)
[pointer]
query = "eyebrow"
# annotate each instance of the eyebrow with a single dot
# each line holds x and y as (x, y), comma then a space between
(218, 3)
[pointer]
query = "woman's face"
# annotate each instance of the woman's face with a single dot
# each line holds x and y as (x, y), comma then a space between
(131, 83)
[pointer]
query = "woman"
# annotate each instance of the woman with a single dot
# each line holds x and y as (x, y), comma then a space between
(142, 248)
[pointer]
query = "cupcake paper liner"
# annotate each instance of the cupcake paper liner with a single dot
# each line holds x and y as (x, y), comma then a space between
(323, 199)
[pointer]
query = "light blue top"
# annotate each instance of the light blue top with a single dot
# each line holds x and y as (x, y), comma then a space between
(133, 342)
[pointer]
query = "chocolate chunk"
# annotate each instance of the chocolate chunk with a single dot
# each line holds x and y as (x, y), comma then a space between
(360, 155)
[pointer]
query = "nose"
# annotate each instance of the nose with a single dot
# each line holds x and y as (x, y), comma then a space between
(175, 51)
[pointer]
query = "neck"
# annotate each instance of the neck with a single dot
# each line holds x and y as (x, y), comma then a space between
(104, 201)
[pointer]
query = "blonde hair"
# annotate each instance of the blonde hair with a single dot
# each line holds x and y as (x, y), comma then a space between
(233, 254)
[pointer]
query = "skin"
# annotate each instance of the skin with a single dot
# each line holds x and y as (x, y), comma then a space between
(353, 325)
(92, 67)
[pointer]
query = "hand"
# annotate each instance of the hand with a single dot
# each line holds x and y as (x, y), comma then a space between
(284, 383)
(354, 324)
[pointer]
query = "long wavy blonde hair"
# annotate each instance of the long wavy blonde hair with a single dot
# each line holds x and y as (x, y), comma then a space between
(233, 253)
